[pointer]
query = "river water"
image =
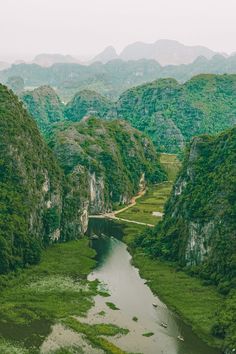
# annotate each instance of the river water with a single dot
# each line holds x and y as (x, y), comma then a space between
(134, 298)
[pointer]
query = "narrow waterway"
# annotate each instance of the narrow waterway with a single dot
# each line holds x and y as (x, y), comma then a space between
(135, 300)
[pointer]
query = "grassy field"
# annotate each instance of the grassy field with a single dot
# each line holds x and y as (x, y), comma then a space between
(152, 201)
(171, 165)
(155, 197)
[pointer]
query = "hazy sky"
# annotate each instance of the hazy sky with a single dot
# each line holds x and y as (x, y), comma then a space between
(85, 27)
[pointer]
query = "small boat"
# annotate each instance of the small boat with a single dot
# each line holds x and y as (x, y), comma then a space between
(163, 324)
(154, 304)
(181, 338)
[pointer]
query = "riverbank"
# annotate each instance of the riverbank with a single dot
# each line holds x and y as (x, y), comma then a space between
(38, 305)
(195, 303)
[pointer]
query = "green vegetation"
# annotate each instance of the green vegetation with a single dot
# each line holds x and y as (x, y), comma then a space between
(94, 332)
(148, 334)
(156, 195)
(195, 303)
(112, 306)
(201, 236)
(52, 292)
(86, 103)
(168, 112)
(29, 179)
(110, 157)
(11, 348)
(102, 313)
(152, 202)
(199, 305)
(54, 289)
(116, 76)
(200, 239)
(38, 205)
(172, 113)
(135, 319)
(171, 165)
(45, 107)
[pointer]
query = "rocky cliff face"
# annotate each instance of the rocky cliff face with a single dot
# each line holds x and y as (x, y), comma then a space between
(198, 231)
(199, 227)
(114, 158)
(38, 204)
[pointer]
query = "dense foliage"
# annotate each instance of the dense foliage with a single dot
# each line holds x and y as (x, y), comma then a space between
(171, 114)
(29, 178)
(38, 205)
(45, 106)
(112, 155)
(87, 103)
(199, 227)
(114, 77)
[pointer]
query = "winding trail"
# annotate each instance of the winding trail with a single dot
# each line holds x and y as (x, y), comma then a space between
(113, 214)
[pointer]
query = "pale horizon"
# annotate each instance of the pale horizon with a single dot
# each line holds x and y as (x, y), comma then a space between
(83, 29)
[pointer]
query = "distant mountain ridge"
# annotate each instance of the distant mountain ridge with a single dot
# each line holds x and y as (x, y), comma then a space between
(108, 54)
(168, 112)
(47, 60)
(164, 51)
(115, 77)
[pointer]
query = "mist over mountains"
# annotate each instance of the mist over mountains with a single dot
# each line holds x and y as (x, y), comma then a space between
(164, 51)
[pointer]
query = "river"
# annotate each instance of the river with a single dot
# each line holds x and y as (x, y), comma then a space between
(135, 300)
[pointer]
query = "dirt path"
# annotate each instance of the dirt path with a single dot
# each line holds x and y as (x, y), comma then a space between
(113, 214)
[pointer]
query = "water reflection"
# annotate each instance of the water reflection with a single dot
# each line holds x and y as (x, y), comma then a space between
(135, 299)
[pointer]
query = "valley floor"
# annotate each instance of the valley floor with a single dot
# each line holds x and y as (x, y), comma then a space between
(57, 290)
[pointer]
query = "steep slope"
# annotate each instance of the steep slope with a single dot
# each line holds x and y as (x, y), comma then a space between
(165, 52)
(108, 54)
(44, 105)
(171, 113)
(115, 159)
(87, 103)
(36, 204)
(199, 226)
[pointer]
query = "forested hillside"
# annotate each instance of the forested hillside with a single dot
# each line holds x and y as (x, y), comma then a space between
(44, 105)
(87, 103)
(171, 113)
(114, 77)
(31, 193)
(115, 159)
(199, 226)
